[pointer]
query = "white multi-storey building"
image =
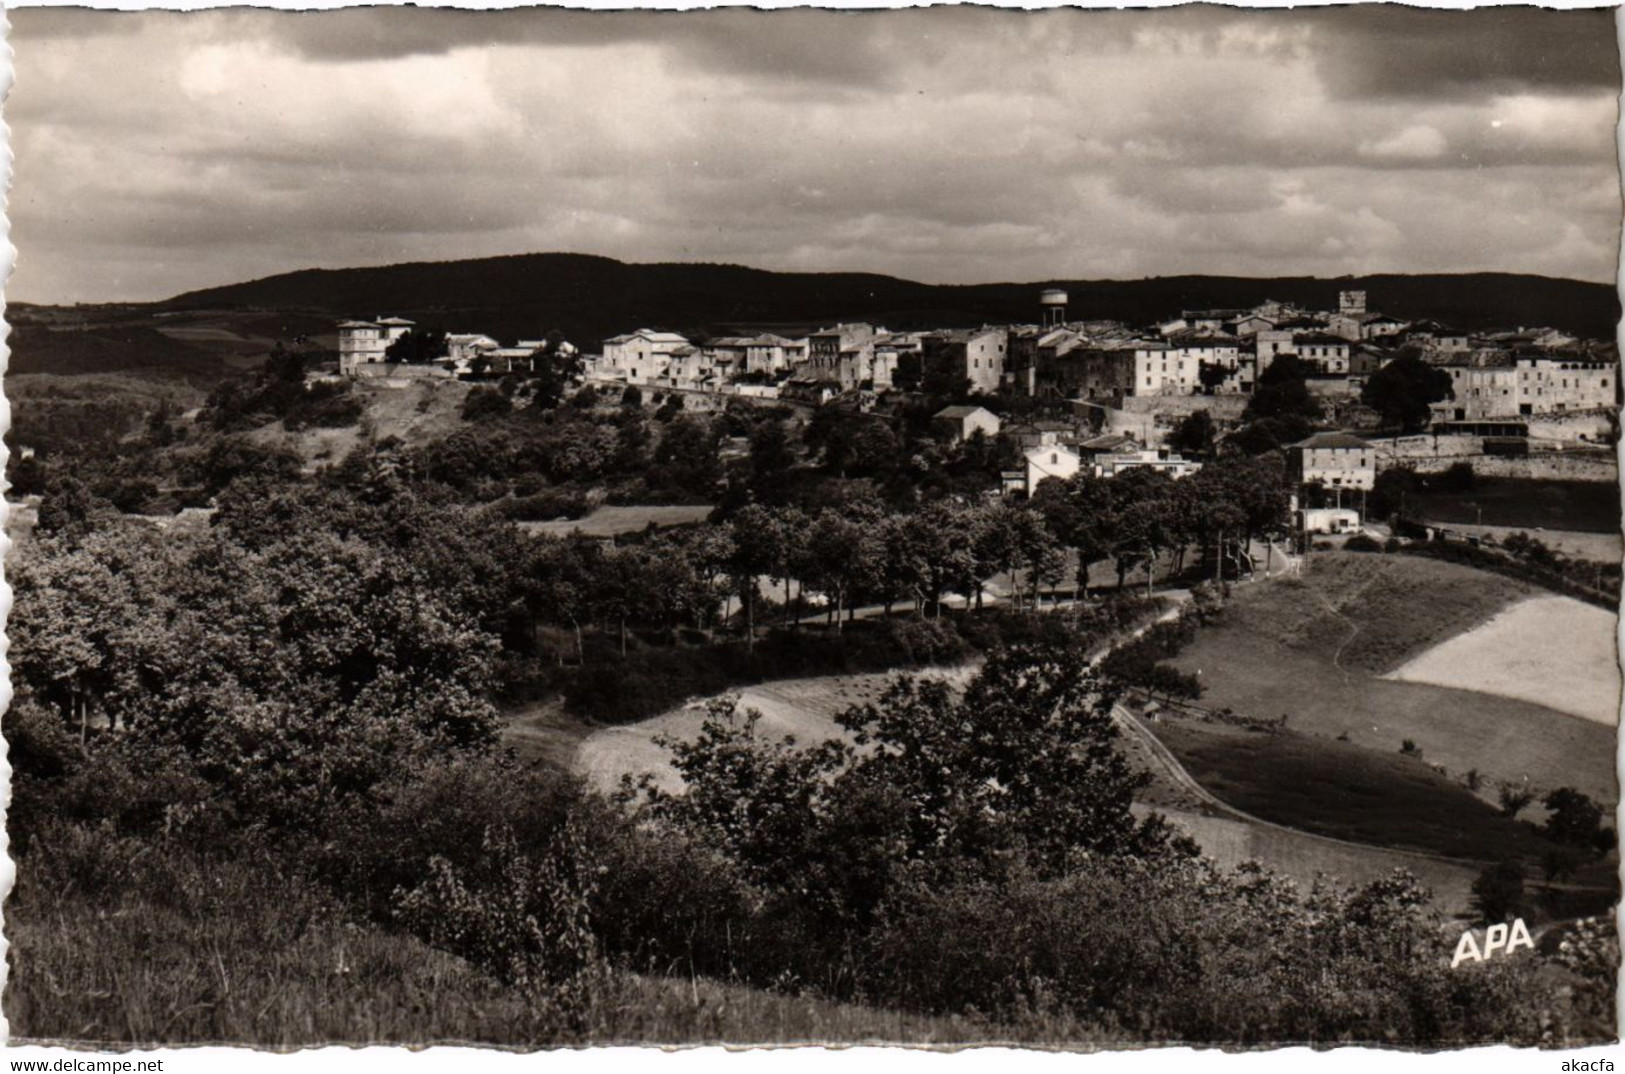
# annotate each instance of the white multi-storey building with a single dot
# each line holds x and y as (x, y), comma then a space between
(364, 342)
(1531, 385)
(640, 357)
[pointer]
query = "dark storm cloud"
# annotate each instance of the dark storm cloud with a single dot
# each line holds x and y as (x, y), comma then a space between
(853, 48)
(1383, 50)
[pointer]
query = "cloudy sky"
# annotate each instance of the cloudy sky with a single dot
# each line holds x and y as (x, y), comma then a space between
(158, 151)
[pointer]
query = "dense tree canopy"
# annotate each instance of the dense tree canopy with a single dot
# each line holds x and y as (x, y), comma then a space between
(1403, 390)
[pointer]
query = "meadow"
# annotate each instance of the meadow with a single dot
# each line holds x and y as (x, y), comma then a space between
(1348, 792)
(1316, 649)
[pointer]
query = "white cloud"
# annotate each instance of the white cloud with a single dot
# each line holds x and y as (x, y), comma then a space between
(1417, 142)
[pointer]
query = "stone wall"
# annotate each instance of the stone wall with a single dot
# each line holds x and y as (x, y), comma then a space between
(1220, 407)
(1548, 466)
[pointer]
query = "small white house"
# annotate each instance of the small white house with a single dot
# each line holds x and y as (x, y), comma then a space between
(959, 423)
(1331, 520)
(1051, 460)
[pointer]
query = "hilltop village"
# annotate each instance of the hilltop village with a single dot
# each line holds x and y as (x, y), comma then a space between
(1103, 396)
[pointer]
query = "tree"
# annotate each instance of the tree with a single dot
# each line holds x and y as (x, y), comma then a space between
(1025, 756)
(1498, 893)
(1391, 491)
(1573, 818)
(1403, 390)
(482, 403)
(686, 456)
(938, 539)
(1212, 376)
(771, 455)
(754, 543)
(1194, 435)
(1513, 799)
(841, 554)
(1282, 392)
(1020, 771)
(67, 508)
(1081, 512)
(417, 346)
(554, 367)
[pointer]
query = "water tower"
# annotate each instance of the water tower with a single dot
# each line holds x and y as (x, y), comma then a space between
(1054, 303)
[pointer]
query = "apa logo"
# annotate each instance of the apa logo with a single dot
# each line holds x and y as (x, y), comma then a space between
(1496, 938)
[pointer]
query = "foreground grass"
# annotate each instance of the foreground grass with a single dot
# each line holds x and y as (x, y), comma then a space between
(252, 958)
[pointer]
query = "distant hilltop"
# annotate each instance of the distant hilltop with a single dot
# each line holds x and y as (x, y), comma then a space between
(590, 298)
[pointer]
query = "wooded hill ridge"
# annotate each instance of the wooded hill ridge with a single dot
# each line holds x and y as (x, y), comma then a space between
(590, 298)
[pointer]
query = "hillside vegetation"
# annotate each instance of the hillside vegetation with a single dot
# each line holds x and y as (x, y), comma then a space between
(129, 348)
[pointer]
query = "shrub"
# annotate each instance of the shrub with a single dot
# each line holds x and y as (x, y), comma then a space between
(1498, 893)
(1513, 799)
(1362, 543)
(522, 918)
(545, 506)
(1573, 820)
(483, 403)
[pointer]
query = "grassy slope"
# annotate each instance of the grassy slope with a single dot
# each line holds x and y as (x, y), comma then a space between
(1280, 650)
(1583, 506)
(390, 412)
(1371, 612)
(261, 961)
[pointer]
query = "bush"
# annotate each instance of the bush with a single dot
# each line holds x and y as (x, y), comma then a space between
(1513, 799)
(484, 403)
(1147, 951)
(1498, 893)
(1459, 477)
(1362, 543)
(546, 506)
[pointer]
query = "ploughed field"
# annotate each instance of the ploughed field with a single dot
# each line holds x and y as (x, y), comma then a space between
(1554, 651)
(1318, 650)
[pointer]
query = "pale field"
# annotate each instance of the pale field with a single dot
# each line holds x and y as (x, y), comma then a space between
(802, 708)
(1554, 651)
(1592, 547)
(608, 521)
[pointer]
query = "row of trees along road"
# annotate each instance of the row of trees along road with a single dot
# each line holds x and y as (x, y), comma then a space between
(859, 553)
